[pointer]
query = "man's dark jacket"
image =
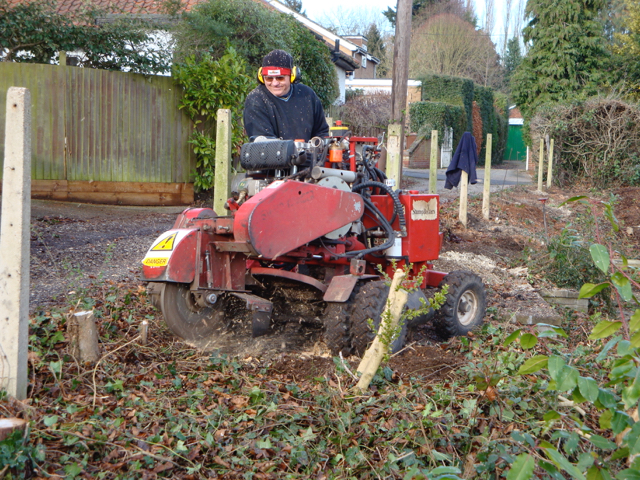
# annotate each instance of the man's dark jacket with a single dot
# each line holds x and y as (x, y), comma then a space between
(300, 117)
(465, 158)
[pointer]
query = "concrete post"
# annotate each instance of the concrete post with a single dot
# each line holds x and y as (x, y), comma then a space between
(14, 242)
(222, 184)
(487, 178)
(541, 165)
(394, 153)
(433, 163)
(550, 169)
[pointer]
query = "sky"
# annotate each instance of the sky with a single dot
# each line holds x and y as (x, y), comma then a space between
(316, 9)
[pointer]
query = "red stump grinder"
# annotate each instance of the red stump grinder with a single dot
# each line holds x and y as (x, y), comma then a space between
(315, 217)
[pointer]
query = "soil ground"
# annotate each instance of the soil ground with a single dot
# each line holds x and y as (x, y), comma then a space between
(78, 247)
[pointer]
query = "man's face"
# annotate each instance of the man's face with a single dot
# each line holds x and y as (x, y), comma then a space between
(278, 85)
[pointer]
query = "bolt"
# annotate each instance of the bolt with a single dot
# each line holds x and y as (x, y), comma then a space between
(212, 298)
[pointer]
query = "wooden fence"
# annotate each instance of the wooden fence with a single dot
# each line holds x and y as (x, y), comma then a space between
(106, 137)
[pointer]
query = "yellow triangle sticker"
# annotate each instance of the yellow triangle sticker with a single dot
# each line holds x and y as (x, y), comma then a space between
(165, 244)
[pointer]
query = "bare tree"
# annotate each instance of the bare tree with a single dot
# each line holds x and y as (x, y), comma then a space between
(447, 45)
(489, 16)
(507, 25)
(353, 21)
(519, 19)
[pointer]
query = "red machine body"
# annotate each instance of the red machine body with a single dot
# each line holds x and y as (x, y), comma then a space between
(330, 227)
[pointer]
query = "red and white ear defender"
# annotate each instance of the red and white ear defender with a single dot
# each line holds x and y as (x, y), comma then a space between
(294, 74)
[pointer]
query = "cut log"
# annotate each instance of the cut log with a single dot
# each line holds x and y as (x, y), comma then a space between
(10, 425)
(83, 337)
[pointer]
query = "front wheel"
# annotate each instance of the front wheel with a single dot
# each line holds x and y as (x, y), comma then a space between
(185, 317)
(370, 302)
(465, 304)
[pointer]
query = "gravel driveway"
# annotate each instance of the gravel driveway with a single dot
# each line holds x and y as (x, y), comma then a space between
(74, 245)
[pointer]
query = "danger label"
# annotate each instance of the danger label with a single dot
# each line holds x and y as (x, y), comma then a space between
(164, 244)
(155, 261)
(423, 210)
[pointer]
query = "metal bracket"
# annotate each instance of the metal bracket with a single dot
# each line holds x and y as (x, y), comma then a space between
(357, 267)
(260, 313)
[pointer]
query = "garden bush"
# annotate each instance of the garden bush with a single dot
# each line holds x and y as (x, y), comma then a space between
(597, 141)
(451, 90)
(435, 116)
(366, 113)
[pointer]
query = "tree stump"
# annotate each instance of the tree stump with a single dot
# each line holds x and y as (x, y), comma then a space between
(83, 337)
(10, 425)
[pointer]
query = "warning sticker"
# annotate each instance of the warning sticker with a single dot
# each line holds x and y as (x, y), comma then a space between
(164, 244)
(155, 262)
(422, 210)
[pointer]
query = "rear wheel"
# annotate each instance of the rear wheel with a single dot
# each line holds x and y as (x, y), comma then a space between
(465, 304)
(185, 317)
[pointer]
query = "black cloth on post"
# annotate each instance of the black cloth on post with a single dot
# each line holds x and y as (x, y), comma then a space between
(465, 158)
(300, 117)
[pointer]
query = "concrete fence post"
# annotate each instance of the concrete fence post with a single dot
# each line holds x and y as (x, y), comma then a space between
(222, 184)
(14, 242)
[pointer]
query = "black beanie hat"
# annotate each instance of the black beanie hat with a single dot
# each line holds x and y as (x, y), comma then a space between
(278, 58)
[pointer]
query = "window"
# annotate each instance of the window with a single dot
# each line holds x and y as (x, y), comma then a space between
(364, 61)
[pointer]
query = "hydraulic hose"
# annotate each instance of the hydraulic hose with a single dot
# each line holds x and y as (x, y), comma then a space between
(396, 202)
(391, 235)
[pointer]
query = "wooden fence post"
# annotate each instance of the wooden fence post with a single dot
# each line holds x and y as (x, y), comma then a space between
(222, 184)
(550, 170)
(14, 243)
(433, 163)
(487, 178)
(541, 166)
(464, 197)
(394, 153)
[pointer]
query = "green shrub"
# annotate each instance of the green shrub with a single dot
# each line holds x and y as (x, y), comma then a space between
(437, 116)
(253, 30)
(597, 141)
(209, 85)
(451, 90)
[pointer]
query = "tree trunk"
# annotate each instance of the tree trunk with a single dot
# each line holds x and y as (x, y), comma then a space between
(9, 425)
(83, 337)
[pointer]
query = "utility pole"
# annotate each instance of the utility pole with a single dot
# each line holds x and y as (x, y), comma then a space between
(400, 75)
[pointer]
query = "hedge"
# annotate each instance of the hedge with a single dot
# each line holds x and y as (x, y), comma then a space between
(451, 90)
(437, 115)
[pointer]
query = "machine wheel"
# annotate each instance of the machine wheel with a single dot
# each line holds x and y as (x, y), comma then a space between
(370, 302)
(185, 317)
(336, 327)
(465, 305)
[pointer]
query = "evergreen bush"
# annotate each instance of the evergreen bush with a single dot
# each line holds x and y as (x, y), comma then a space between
(451, 90)
(597, 141)
(437, 115)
